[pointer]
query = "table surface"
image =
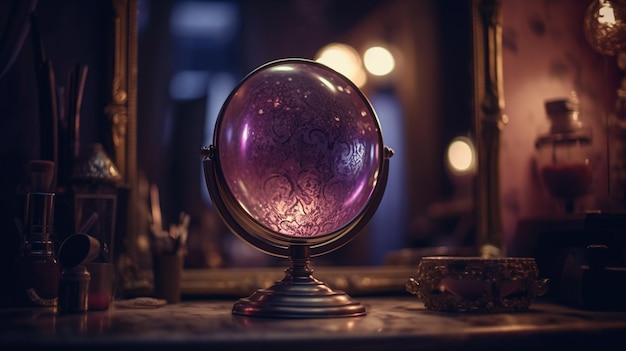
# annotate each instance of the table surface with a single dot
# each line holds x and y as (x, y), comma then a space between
(391, 323)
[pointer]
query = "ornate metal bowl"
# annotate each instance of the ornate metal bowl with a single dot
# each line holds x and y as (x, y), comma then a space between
(475, 284)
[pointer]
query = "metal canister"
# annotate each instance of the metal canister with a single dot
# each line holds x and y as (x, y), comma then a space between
(74, 290)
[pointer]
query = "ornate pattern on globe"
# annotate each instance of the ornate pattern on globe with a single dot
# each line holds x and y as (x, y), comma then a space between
(300, 148)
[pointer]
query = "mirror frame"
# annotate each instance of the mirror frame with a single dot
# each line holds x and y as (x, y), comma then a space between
(121, 110)
(488, 121)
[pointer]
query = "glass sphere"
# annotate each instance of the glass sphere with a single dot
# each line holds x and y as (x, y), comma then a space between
(605, 26)
(299, 148)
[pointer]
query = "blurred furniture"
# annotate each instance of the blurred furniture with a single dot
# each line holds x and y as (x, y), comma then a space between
(582, 255)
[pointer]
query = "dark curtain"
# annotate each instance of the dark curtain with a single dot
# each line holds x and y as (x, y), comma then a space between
(14, 26)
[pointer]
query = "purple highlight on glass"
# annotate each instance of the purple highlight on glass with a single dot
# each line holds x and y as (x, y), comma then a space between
(300, 148)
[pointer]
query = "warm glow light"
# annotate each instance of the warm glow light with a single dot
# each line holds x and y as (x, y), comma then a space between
(605, 26)
(343, 59)
(461, 156)
(282, 68)
(606, 14)
(379, 61)
(327, 83)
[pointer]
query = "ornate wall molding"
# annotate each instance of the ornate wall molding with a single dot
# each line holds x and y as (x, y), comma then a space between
(121, 111)
(489, 106)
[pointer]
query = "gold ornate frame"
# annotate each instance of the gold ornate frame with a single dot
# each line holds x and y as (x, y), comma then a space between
(488, 122)
(121, 111)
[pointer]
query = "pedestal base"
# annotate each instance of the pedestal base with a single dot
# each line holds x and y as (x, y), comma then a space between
(299, 297)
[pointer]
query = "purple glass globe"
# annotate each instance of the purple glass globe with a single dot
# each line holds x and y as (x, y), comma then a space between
(299, 148)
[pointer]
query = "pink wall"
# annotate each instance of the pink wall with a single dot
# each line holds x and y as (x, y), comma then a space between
(545, 55)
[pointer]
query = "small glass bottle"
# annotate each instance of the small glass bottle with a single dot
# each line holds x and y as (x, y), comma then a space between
(38, 268)
(563, 153)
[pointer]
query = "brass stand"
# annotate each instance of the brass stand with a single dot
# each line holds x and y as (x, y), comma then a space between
(299, 295)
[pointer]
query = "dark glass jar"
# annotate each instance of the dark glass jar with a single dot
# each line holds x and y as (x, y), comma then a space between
(38, 268)
(74, 290)
(563, 154)
(39, 273)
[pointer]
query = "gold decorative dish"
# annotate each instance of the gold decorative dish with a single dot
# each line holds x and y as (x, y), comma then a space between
(475, 284)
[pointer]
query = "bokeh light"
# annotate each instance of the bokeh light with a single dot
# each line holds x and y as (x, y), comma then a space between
(379, 61)
(460, 156)
(345, 60)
